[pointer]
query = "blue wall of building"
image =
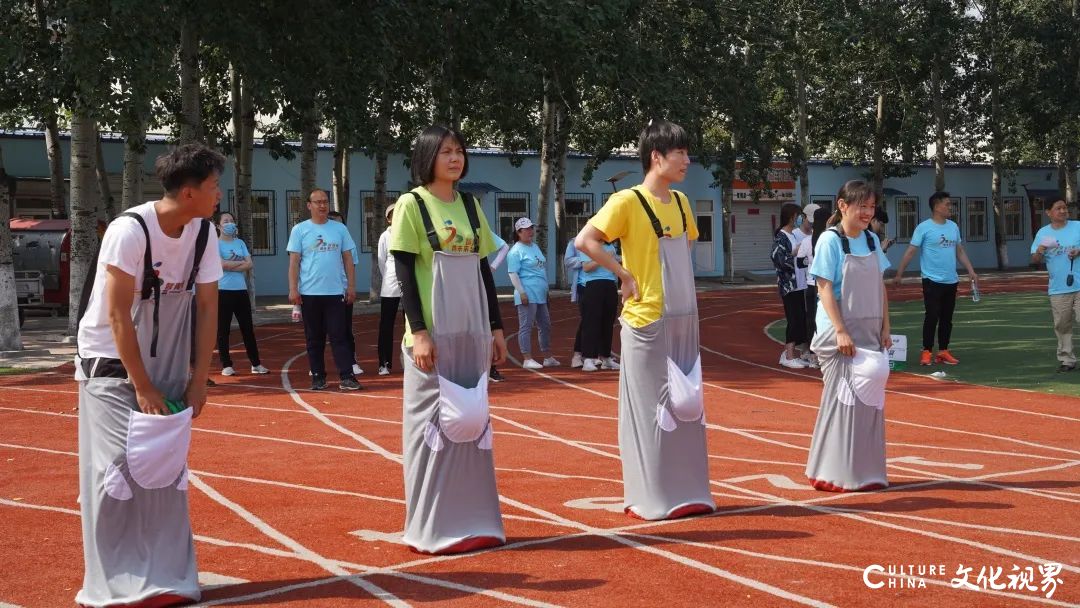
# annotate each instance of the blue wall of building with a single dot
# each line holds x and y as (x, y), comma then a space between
(24, 156)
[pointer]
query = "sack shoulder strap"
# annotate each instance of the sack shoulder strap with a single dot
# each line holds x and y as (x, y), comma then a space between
(846, 245)
(429, 227)
(474, 219)
(200, 248)
(655, 221)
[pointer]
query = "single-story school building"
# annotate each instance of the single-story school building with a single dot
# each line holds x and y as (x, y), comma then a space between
(508, 192)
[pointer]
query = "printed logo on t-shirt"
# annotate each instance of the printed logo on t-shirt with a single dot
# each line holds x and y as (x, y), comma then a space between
(667, 231)
(946, 242)
(455, 242)
(321, 246)
(165, 287)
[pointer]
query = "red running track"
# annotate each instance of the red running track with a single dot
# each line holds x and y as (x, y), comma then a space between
(297, 497)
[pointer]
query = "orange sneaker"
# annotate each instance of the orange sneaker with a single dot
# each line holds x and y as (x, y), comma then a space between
(946, 358)
(924, 359)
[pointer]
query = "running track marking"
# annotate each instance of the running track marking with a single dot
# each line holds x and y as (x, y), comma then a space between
(753, 583)
(906, 394)
(299, 549)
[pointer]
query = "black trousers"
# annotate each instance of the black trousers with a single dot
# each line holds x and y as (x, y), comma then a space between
(581, 317)
(795, 313)
(387, 318)
(810, 305)
(349, 330)
(324, 316)
(600, 304)
(939, 299)
(235, 303)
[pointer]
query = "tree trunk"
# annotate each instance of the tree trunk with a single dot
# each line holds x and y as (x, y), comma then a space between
(547, 151)
(939, 123)
(309, 145)
(561, 135)
(382, 146)
(191, 128)
(800, 125)
(1070, 166)
(10, 334)
(56, 167)
(996, 143)
(243, 127)
(108, 203)
(134, 151)
(341, 175)
(879, 147)
(85, 206)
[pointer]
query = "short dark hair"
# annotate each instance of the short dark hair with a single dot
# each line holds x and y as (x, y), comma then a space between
(936, 197)
(426, 151)
(788, 213)
(318, 189)
(881, 215)
(661, 136)
(186, 165)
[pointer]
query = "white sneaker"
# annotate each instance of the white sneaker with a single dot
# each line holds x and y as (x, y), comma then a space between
(608, 363)
(531, 364)
(384, 371)
(551, 362)
(576, 361)
(589, 365)
(356, 371)
(812, 362)
(228, 371)
(259, 369)
(792, 363)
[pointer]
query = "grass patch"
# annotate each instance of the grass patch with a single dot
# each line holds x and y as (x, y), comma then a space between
(1004, 340)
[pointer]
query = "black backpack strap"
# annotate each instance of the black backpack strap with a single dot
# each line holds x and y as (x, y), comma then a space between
(869, 241)
(151, 285)
(657, 228)
(682, 213)
(200, 247)
(474, 219)
(844, 244)
(432, 236)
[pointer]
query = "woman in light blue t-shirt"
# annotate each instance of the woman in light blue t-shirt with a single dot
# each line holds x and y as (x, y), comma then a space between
(528, 272)
(233, 300)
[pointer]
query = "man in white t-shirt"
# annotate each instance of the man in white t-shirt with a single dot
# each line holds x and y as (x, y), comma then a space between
(139, 389)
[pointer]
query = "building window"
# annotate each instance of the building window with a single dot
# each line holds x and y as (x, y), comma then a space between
(907, 217)
(703, 218)
(509, 206)
(370, 236)
(1013, 218)
(578, 208)
(974, 217)
(825, 202)
(256, 221)
(297, 206)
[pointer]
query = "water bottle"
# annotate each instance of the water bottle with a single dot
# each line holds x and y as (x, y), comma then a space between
(296, 313)
(974, 291)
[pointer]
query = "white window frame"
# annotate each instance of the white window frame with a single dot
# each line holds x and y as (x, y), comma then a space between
(369, 238)
(1018, 215)
(505, 218)
(574, 222)
(910, 215)
(266, 218)
(983, 223)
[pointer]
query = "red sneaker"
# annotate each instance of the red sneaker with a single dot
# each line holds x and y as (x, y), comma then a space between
(924, 359)
(946, 358)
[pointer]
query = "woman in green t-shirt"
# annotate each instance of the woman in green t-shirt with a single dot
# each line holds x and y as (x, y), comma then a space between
(439, 240)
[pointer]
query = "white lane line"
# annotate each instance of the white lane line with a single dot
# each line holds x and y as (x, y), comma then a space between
(896, 392)
(366, 570)
(289, 542)
(371, 445)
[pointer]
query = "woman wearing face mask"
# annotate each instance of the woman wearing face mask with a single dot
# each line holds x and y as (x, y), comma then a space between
(233, 297)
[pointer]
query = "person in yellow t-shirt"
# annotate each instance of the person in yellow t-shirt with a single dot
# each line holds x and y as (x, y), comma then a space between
(622, 218)
(661, 404)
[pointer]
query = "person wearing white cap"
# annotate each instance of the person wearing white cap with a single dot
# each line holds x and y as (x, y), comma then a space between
(526, 266)
(1058, 244)
(389, 297)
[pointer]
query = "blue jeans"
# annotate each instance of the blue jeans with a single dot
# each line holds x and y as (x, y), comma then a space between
(527, 314)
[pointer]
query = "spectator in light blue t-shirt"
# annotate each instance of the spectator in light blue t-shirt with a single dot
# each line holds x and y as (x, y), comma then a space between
(319, 250)
(938, 242)
(528, 273)
(1058, 244)
(233, 300)
(600, 303)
